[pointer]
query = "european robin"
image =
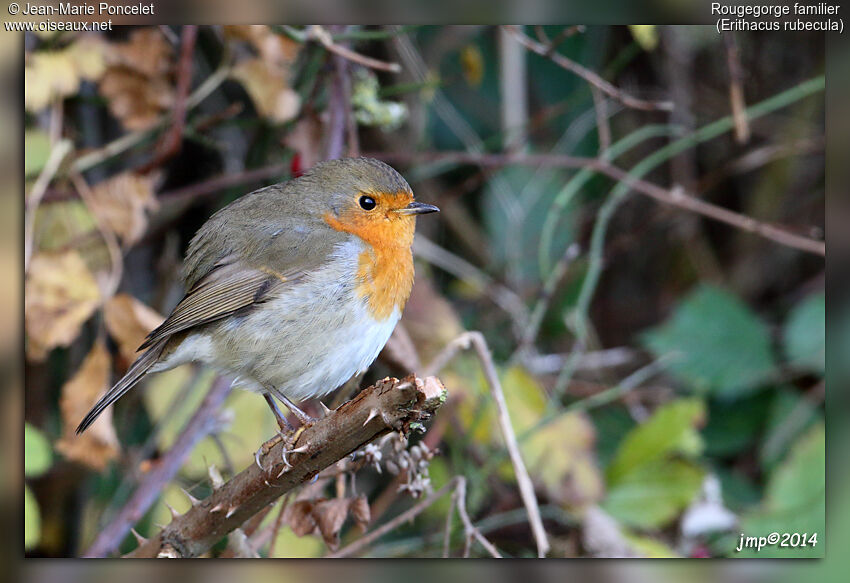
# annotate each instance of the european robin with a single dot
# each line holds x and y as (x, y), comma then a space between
(293, 288)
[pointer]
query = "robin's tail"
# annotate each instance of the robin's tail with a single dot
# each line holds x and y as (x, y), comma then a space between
(127, 382)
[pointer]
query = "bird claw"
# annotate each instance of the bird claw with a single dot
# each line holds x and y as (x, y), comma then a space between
(266, 448)
(288, 439)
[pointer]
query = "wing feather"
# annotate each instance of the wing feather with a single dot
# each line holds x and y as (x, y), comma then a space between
(225, 289)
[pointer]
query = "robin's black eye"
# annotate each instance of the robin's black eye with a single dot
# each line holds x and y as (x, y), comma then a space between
(367, 203)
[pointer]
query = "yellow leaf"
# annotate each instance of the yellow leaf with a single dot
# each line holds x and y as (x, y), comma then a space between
(61, 294)
(122, 201)
(57, 73)
(57, 224)
(87, 56)
(49, 74)
(99, 443)
(645, 35)
(269, 89)
(129, 321)
(472, 64)
(562, 455)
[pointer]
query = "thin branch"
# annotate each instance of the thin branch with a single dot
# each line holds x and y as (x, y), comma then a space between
(127, 141)
(674, 197)
(501, 295)
(170, 143)
(389, 405)
(213, 185)
(557, 274)
(476, 340)
(326, 39)
(339, 105)
(469, 529)
(736, 89)
(110, 239)
(603, 128)
(54, 160)
(589, 75)
(150, 487)
(457, 486)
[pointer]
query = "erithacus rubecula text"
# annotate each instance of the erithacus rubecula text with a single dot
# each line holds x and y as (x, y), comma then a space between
(294, 288)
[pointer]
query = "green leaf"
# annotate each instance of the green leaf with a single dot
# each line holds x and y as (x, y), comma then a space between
(734, 426)
(32, 520)
(795, 500)
(805, 334)
(37, 452)
(653, 494)
(671, 429)
(722, 347)
(36, 151)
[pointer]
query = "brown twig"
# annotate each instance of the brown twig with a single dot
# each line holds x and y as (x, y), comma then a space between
(170, 143)
(457, 486)
(589, 75)
(603, 129)
(54, 161)
(476, 341)
(325, 38)
(389, 405)
(736, 90)
(223, 181)
(150, 487)
(674, 197)
(338, 106)
(110, 239)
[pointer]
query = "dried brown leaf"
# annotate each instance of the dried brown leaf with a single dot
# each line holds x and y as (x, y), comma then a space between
(360, 512)
(121, 203)
(138, 83)
(146, 52)
(272, 47)
(268, 86)
(330, 516)
(61, 294)
(99, 443)
(137, 101)
(129, 321)
(299, 517)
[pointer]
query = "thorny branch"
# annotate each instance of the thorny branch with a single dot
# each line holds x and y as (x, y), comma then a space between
(389, 405)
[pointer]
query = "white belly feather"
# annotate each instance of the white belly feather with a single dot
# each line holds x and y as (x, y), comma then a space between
(305, 343)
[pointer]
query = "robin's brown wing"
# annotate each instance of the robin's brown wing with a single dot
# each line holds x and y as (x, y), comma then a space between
(225, 289)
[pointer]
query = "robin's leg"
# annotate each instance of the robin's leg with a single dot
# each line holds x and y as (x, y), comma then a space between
(302, 416)
(285, 427)
(278, 415)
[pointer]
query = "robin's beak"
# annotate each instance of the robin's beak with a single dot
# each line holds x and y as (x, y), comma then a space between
(417, 208)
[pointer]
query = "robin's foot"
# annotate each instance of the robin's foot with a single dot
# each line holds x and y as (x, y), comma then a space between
(266, 448)
(288, 439)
